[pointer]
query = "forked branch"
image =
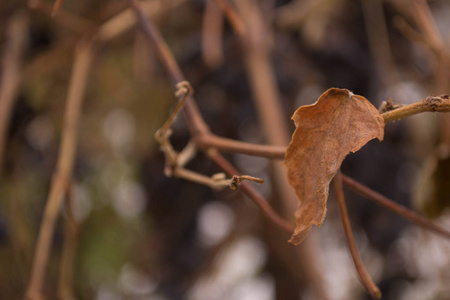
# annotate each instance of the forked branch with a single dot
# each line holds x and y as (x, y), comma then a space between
(175, 162)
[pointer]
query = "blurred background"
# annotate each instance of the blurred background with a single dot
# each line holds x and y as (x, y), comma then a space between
(140, 235)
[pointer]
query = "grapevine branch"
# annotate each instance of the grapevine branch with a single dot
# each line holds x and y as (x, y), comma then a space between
(63, 171)
(68, 256)
(210, 143)
(175, 162)
(360, 268)
(10, 71)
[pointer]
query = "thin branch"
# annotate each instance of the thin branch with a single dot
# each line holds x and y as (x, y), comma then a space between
(56, 7)
(229, 145)
(278, 153)
(65, 287)
(183, 90)
(212, 35)
(195, 121)
(199, 130)
(366, 280)
(391, 205)
(63, 171)
(252, 193)
(126, 19)
(379, 44)
(10, 73)
(175, 165)
(430, 104)
(65, 19)
(235, 20)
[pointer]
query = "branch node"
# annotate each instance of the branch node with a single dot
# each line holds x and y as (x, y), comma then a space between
(183, 89)
(388, 105)
(236, 180)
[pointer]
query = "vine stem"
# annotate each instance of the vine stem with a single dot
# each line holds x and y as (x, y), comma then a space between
(196, 124)
(10, 69)
(68, 256)
(210, 142)
(429, 104)
(63, 171)
(366, 280)
(391, 205)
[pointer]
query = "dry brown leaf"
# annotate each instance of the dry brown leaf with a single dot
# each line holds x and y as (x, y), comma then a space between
(339, 122)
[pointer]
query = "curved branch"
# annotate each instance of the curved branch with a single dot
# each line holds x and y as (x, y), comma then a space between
(63, 171)
(366, 280)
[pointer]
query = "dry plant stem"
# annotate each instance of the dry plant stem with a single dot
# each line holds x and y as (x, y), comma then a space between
(195, 121)
(391, 205)
(126, 19)
(65, 288)
(423, 17)
(430, 104)
(63, 171)
(56, 7)
(10, 73)
(252, 193)
(278, 153)
(366, 280)
(257, 45)
(199, 128)
(65, 19)
(228, 145)
(232, 16)
(212, 34)
(184, 89)
(175, 163)
(378, 38)
(408, 31)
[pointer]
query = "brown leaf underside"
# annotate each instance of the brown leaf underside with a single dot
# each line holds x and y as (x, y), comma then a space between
(337, 124)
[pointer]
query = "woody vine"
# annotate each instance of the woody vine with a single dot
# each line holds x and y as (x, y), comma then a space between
(312, 159)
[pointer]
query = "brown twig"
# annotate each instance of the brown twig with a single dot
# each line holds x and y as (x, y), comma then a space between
(366, 280)
(232, 16)
(391, 205)
(65, 19)
(126, 19)
(175, 163)
(63, 171)
(257, 46)
(228, 145)
(430, 104)
(56, 7)
(65, 287)
(199, 129)
(10, 76)
(196, 124)
(212, 34)
(378, 38)
(277, 152)
(195, 121)
(253, 194)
